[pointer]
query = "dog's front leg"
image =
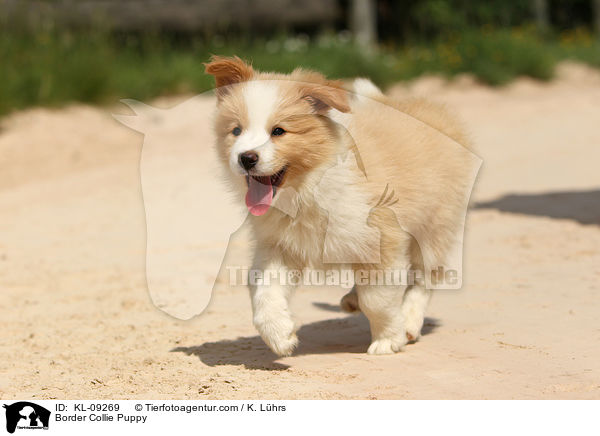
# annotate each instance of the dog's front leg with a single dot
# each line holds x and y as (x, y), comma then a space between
(270, 303)
(382, 306)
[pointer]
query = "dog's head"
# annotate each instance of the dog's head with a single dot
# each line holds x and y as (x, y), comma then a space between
(272, 129)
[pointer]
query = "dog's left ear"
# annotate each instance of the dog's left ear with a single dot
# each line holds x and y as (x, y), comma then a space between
(323, 96)
(321, 93)
(228, 71)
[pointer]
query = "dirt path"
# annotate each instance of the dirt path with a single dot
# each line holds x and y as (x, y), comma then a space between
(77, 321)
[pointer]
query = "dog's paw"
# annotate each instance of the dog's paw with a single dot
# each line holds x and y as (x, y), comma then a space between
(278, 333)
(349, 302)
(387, 345)
(283, 346)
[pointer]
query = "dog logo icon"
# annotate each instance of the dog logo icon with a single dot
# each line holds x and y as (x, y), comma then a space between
(26, 415)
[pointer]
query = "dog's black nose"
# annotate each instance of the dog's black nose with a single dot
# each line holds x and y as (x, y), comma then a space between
(248, 159)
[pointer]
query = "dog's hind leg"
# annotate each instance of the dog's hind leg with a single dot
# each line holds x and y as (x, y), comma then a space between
(349, 302)
(417, 296)
(414, 305)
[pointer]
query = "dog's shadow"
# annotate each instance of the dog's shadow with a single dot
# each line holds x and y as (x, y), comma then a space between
(338, 335)
(581, 206)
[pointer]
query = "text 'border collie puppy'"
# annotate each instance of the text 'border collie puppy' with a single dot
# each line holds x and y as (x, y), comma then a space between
(379, 186)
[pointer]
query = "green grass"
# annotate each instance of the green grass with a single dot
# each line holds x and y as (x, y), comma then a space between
(55, 68)
(495, 57)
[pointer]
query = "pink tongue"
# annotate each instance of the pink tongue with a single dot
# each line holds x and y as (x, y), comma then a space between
(259, 196)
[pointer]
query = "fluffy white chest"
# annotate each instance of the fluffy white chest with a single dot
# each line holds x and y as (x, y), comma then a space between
(331, 228)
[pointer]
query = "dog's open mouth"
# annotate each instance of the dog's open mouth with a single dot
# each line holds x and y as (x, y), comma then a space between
(262, 190)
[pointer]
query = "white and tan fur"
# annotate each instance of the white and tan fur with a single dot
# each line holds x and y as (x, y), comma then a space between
(323, 121)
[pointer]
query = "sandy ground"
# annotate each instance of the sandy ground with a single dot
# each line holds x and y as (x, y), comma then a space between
(77, 320)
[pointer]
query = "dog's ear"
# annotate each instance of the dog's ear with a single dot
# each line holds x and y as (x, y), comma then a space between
(228, 71)
(321, 93)
(323, 97)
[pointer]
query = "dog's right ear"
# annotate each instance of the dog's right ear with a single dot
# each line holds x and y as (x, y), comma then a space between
(228, 71)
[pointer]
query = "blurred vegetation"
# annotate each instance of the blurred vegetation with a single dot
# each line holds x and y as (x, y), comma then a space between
(447, 37)
(410, 20)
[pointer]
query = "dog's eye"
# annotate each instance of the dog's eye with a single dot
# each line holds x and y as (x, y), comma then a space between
(277, 131)
(236, 131)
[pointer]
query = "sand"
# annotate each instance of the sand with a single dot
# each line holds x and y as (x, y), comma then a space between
(77, 320)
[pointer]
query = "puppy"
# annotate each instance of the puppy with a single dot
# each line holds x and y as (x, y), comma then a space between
(397, 204)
